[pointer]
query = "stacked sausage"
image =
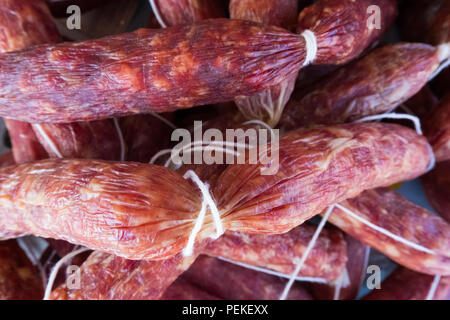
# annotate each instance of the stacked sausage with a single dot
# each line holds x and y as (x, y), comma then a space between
(62, 101)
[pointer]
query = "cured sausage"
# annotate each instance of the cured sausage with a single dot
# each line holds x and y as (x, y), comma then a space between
(376, 83)
(436, 184)
(342, 23)
(232, 282)
(177, 12)
(282, 13)
(25, 23)
(109, 277)
(267, 105)
(386, 209)
(342, 27)
(146, 70)
(19, 279)
(280, 252)
(134, 211)
(346, 288)
(405, 284)
(6, 159)
(327, 262)
(89, 140)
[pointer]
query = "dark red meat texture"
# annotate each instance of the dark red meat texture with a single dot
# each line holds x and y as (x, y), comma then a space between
(109, 277)
(77, 200)
(341, 27)
(146, 70)
(281, 252)
(178, 12)
(19, 279)
(270, 12)
(184, 290)
(267, 105)
(390, 211)
(233, 282)
(355, 269)
(6, 159)
(376, 83)
(89, 140)
(26, 23)
(25, 145)
(145, 135)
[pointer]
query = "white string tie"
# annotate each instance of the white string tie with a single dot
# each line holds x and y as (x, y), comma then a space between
(433, 287)
(47, 139)
(158, 16)
(385, 232)
(272, 272)
(121, 139)
(311, 46)
(207, 201)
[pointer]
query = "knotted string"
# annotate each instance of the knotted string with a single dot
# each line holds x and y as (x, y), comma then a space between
(311, 46)
(207, 201)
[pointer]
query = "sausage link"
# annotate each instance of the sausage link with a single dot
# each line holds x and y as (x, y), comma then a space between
(376, 83)
(89, 140)
(279, 252)
(390, 211)
(355, 269)
(25, 23)
(78, 200)
(232, 282)
(25, 145)
(267, 105)
(327, 261)
(342, 27)
(178, 12)
(146, 70)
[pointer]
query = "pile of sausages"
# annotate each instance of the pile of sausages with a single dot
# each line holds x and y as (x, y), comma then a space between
(86, 118)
